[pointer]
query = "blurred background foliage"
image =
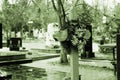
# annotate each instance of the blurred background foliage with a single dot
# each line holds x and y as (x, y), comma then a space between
(15, 16)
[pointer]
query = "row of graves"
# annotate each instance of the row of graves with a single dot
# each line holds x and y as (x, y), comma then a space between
(13, 56)
(53, 37)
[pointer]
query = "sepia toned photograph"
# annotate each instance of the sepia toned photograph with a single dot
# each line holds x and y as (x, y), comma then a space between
(59, 39)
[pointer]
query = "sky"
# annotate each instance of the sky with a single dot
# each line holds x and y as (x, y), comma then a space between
(110, 3)
(0, 5)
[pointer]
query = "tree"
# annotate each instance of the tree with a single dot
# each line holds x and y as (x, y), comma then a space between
(76, 34)
(81, 16)
(59, 9)
(111, 27)
(43, 13)
(15, 15)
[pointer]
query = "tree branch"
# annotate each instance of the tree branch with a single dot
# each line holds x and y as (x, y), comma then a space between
(35, 3)
(76, 2)
(29, 2)
(54, 6)
(63, 10)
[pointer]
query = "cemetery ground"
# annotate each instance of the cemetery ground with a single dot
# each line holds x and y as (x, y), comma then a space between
(50, 68)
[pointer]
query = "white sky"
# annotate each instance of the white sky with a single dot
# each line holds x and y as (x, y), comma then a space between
(0, 5)
(110, 3)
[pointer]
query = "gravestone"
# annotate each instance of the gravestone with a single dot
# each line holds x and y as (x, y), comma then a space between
(88, 46)
(15, 44)
(118, 56)
(89, 43)
(51, 29)
(0, 35)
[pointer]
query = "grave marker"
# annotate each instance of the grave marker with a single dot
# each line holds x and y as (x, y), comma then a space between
(51, 29)
(118, 56)
(0, 35)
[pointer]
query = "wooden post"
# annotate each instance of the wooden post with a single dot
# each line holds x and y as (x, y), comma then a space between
(118, 56)
(74, 64)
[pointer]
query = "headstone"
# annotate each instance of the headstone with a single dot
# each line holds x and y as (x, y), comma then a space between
(118, 56)
(50, 41)
(15, 44)
(35, 33)
(18, 34)
(88, 46)
(0, 35)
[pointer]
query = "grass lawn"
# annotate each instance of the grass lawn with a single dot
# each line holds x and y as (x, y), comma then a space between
(94, 73)
(87, 72)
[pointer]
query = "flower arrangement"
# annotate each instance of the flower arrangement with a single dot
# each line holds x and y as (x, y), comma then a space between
(77, 34)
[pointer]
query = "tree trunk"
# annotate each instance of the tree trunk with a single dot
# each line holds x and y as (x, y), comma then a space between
(21, 32)
(66, 49)
(7, 33)
(74, 62)
(15, 34)
(63, 54)
(61, 15)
